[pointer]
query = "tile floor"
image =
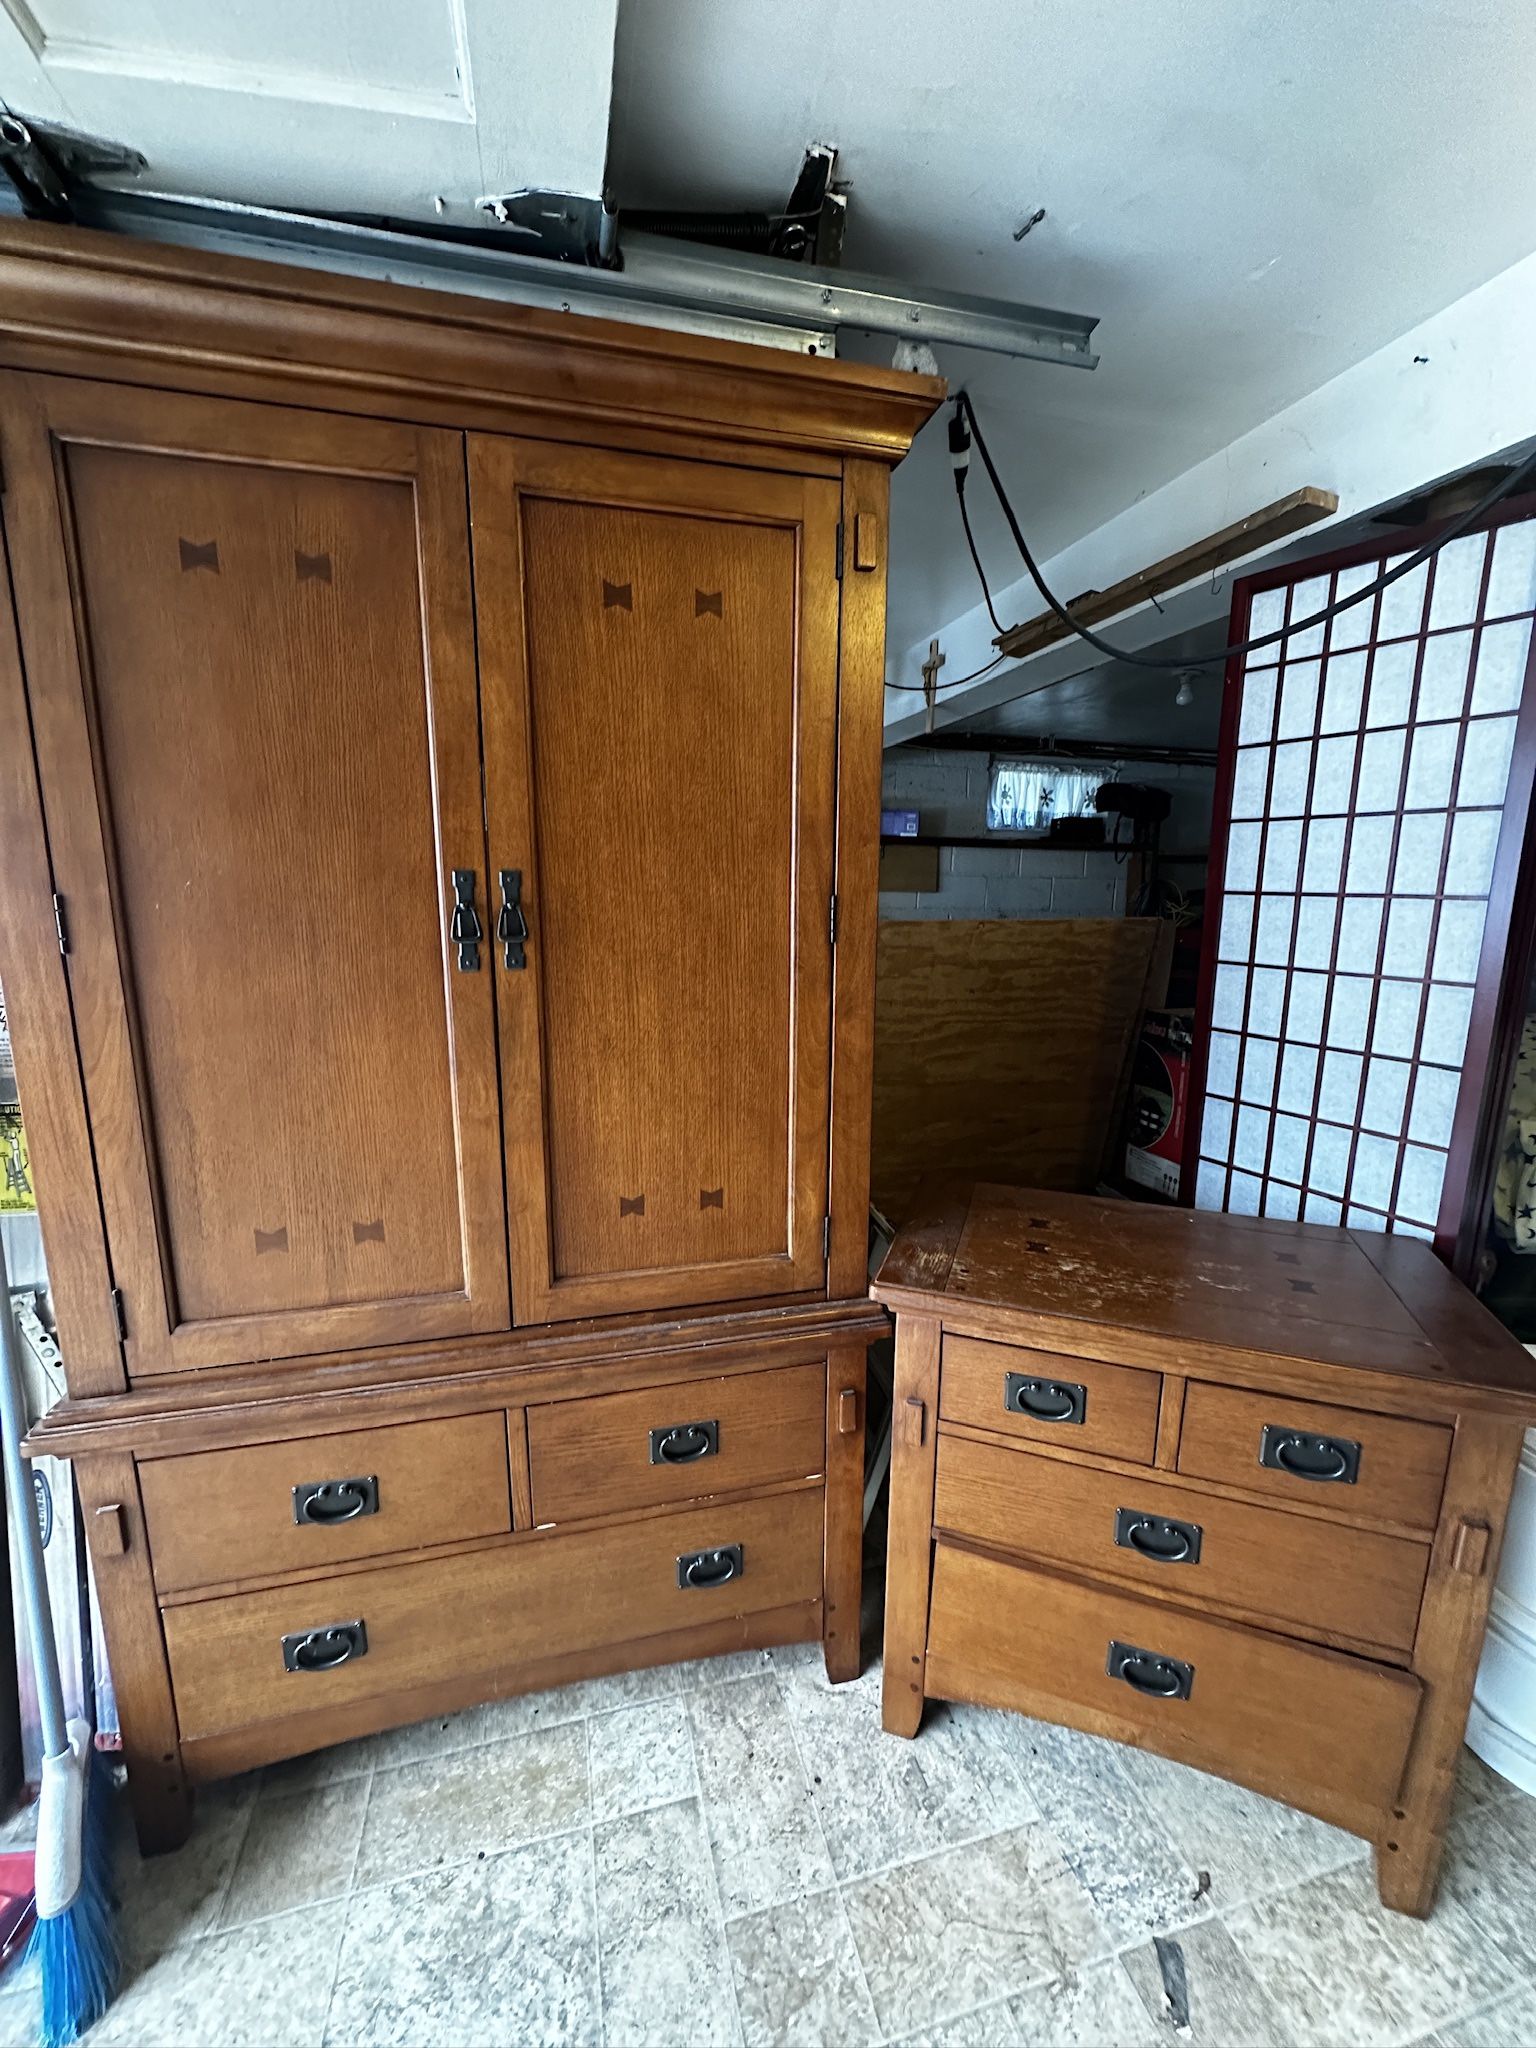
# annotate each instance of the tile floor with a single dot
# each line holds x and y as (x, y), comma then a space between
(734, 1852)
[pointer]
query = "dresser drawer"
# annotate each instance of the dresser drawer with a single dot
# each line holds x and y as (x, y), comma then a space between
(1077, 1402)
(1273, 1713)
(682, 1441)
(1345, 1459)
(323, 1500)
(1288, 1568)
(255, 1657)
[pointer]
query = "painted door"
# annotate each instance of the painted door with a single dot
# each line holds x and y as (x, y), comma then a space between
(658, 647)
(248, 641)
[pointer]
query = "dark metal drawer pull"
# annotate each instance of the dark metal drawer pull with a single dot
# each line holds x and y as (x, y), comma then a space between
(1044, 1400)
(704, 1568)
(1334, 1460)
(335, 1500)
(684, 1443)
(1159, 1537)
(323, 1649)
(1148, 1672)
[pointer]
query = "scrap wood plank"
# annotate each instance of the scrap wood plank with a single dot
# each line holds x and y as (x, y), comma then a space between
(1260, 529)
(1002, 1049)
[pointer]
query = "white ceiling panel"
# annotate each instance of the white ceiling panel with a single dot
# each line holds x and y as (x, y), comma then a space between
(346, 107)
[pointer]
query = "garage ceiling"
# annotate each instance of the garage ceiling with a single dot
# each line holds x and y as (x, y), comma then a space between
(1251, 198)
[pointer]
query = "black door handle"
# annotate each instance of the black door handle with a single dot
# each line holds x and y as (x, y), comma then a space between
(511, 923)
(464, 930)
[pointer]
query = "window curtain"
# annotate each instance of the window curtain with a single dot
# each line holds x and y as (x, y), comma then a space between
(1025, 796)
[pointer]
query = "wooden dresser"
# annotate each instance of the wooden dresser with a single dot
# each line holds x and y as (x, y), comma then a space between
(439, 783)
(1224, 1488)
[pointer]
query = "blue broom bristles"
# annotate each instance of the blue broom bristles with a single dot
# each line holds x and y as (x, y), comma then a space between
(77, 1951)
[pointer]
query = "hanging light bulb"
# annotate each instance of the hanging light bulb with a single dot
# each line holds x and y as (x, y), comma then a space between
(1185, 693)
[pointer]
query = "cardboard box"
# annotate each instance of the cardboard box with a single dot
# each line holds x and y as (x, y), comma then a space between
(904, 868)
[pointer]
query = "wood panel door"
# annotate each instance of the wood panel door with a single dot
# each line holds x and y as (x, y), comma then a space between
(658, 649)
(249, 642)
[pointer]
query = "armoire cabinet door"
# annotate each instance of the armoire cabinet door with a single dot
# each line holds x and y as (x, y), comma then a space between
(249, 651)
(658, 655)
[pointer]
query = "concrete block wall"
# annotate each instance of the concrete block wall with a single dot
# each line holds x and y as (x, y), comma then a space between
(949, 791)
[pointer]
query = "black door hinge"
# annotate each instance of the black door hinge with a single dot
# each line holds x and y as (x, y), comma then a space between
(832, 918)
(826, 1239)
(61, 923)
(839, 551)
(120, 1315)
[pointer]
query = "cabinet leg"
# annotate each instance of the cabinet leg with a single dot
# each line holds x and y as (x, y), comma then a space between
(909, 1548)
(1408, 1868)
(843, 1579)
(158, 1793)
(1484, 1453)
(160, 1800)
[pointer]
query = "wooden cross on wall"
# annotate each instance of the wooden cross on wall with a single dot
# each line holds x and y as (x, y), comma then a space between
(931, 669)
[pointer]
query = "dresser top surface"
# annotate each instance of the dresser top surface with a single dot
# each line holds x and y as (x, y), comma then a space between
(1050, 1263)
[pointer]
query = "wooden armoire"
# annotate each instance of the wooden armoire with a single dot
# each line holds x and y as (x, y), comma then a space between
(439, 786)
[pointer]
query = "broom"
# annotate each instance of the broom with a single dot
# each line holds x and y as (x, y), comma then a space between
(73, 1940)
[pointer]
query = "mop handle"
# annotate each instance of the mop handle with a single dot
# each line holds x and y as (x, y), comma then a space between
(29, 1535)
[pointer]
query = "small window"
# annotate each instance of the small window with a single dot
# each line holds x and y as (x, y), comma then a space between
(1028, 796)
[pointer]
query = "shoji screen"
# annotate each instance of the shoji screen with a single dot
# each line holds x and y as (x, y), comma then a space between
(1364, 769)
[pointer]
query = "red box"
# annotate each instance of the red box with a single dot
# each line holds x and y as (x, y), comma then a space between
(1159, 1101)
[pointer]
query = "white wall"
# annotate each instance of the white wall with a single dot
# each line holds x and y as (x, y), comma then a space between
(949, 791)
(1455, 391)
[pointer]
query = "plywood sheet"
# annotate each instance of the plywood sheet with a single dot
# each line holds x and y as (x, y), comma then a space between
(1001, 1049)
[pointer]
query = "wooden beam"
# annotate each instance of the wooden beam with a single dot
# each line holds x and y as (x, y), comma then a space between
(1260, 529)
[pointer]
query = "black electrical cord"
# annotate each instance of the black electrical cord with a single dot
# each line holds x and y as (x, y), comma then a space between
(960, 456)
(955, 682)
(965, 417)
(970, 541)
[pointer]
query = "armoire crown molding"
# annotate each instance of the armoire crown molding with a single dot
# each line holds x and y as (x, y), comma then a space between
(94, 304)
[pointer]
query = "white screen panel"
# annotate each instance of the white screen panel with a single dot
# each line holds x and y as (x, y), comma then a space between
(1443, 675)
(1324, 865)
(1389, 692)
(1307, 599)
(1485, 761)
(1243, 842)
(1420, 844)
(1282, 855)
(1458, 581)
(1474, 841)
(1512, 581)
(1256, 722)
(1502, 656)
(1343, 693)
(1300, 682)
(1349, 1010)
(1373, 760)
